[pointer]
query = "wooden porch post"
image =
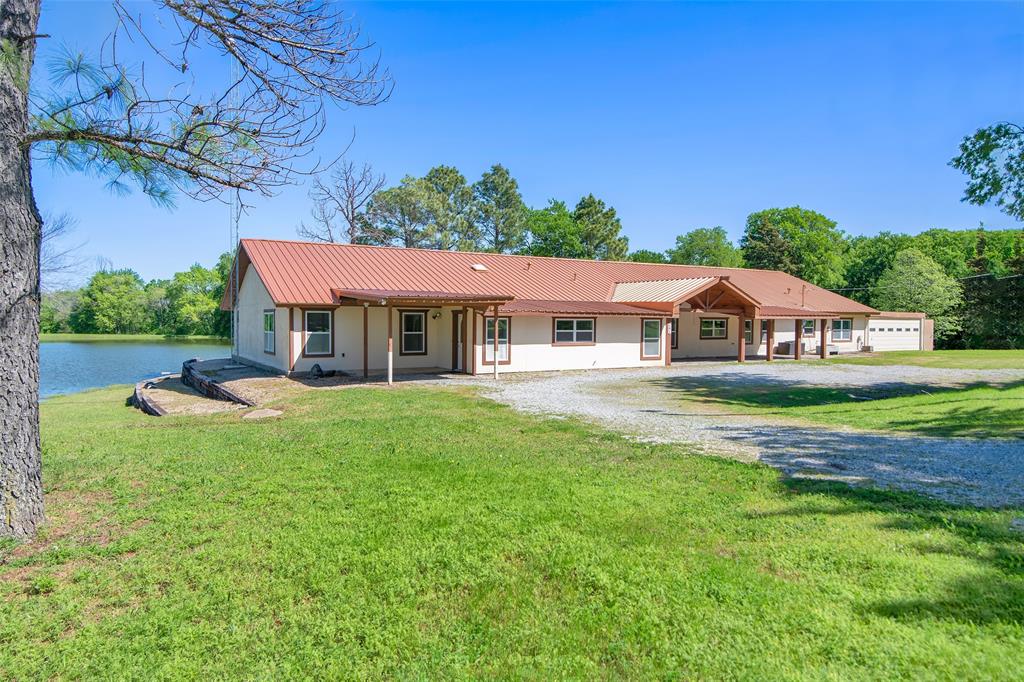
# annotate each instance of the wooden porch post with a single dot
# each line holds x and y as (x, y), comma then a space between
(495, 342)
(472, 356)
(799, 336)
(464, 335)
(668, 328)
(771, 340)
(741, 342)
(366, 341)
(391, 354)
(824, 339)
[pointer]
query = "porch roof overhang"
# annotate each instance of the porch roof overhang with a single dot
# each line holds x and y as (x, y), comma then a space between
(417, 297)
(596, 308)
(781, 313)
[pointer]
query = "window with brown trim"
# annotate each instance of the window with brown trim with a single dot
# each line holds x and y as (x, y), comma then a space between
(809, 327)
(714, 328)
(269, 331)
(317, 327)
(573, 331)
(504, 348)
(842, 329)
(650, 339)
(748, 332)
(675, 332)
(412, 339)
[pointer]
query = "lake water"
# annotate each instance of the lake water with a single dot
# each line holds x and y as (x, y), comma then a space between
(67, 367)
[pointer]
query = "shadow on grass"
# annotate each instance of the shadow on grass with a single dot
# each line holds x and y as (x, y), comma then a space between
(994, 594)
(970, 409)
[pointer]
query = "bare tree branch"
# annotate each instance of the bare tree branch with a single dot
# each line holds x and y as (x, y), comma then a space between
(339, 205)
(57, 259)
(292, 58)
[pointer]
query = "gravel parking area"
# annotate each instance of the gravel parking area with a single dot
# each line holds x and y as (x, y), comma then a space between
(640, 403)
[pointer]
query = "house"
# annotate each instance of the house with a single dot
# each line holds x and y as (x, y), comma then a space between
(362, 309)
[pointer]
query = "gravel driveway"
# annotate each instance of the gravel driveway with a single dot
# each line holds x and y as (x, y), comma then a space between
(640, 403)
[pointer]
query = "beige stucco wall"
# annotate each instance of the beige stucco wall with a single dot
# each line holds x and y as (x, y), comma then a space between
(618, 345)
(253, 299)
(692, 346)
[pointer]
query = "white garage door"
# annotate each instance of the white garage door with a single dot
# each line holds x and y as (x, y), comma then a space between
(895, 334)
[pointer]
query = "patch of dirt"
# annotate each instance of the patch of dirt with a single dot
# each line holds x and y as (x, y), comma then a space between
(73, 519)
(177, 398)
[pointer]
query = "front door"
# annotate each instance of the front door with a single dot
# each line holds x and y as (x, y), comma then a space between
(457, 335)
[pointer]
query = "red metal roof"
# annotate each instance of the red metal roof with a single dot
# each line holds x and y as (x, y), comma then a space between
(411, 294)
(522, 306)
(305, 273)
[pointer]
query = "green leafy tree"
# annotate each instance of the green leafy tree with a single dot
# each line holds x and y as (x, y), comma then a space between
(222, 319)
(501, 215)
(450, 209)
(158, 306)
(764, 246)
(706, 246)
(647, 256)
(113, 302)
(400, 216)
(554, 232)
(193, 302)
(599, 230)
(55, 311)
(868, 258)
(811, 247)
(916, 283)
(993, 160)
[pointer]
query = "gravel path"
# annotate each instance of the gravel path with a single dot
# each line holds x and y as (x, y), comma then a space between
(640, 403)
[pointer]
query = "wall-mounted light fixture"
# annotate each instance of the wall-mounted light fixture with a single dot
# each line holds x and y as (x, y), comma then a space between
(435, 315)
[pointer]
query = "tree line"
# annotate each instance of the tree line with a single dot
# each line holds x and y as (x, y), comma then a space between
(962, 279)
(118, 301)
(442, 210)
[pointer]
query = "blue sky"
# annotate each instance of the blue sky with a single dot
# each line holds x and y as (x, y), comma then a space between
(678, 115)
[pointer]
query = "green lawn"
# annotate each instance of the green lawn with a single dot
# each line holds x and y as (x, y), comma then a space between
(980, 411)
(130, 338)
(425, 533)
(948, 359)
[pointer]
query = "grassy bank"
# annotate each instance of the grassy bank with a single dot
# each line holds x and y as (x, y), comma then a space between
(947, 359)
(130, 338)
(417, 532)
(980, 411)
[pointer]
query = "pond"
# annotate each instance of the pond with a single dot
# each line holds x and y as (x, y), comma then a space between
(68, 367)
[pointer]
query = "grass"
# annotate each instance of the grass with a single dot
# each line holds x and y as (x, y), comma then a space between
(947, 359)
(979, 411)
(130, 338)
(427, 533)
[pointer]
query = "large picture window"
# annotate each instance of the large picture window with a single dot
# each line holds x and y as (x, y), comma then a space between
(413, 340)
(318, 333)
(651, 340)
(714, 328)
(503, 347)
(573, 331)
(842, 329)
(268, 331)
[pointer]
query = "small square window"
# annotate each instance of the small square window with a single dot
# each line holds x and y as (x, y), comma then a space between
(714, 328)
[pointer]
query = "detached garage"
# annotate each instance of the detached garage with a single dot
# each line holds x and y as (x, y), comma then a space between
(900, 331)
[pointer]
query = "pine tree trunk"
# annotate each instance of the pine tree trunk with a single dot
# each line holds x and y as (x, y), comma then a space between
(21, 491)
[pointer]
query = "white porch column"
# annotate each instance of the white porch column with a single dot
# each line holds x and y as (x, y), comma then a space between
(391, 346)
